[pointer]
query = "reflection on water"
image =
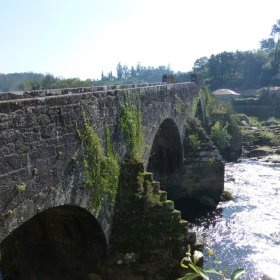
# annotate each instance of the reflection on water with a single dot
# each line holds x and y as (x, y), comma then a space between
(246, 231)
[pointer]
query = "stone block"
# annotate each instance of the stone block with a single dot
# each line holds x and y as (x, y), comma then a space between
(191, 237)
(169, 204)
(156, 186)
(177, 214)
(148, 176)
(163, 195)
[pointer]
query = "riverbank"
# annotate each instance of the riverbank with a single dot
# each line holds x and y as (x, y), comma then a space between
(262, 144)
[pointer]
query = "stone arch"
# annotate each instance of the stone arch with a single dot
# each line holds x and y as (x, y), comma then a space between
(166, 155)
(64, 242)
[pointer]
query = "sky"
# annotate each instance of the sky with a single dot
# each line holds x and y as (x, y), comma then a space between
(82, 38)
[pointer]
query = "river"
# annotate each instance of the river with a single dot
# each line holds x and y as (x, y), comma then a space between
(245, 232)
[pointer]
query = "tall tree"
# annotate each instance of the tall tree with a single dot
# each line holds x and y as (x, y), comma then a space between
(119, 71)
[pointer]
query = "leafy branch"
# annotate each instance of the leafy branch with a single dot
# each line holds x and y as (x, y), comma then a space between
(190, 262)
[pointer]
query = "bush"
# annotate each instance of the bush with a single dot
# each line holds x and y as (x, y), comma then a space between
(220, 137)
(271, 121)
(267, 137)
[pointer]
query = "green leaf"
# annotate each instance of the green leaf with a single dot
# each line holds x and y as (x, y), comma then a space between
(199, 271)
(190, 276)
(213, 271)
(237, 273)
(210, 252)
(217, 261)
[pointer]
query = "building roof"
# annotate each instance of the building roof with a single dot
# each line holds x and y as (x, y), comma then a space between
(224, 92)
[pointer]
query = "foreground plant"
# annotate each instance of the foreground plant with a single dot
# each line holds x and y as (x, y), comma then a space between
(190, 262)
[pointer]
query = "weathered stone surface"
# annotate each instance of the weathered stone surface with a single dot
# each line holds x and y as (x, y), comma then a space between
(38, 141)
(40, 149)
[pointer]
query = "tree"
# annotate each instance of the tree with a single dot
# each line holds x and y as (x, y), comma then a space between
(119, 71)
(48, 82)
(267, 44)
(200, 65)
(275, 31)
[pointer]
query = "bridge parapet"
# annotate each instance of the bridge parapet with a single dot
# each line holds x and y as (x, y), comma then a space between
(51, 92)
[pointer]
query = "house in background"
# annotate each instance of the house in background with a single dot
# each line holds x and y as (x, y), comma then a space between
(225, 94)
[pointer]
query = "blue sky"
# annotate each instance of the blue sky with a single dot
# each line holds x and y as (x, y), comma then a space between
(80, 38)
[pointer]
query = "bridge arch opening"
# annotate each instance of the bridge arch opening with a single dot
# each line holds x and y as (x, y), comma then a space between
(166, 156)
(64, 242)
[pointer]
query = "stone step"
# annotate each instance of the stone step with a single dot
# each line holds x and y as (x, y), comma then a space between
(156, 186)
(163, 195)
(169, 204)
(191, 237)
(177, 214)
(184, 223)
(148, 176)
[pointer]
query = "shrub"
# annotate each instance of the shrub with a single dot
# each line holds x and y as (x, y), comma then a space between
(220, 136)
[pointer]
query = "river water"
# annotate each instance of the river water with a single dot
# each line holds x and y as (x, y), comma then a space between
(245, 232)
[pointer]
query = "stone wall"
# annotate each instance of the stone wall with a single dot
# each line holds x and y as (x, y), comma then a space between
(40, 153)
(262, 112)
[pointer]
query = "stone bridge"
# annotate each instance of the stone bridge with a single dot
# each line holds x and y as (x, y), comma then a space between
(39, 143)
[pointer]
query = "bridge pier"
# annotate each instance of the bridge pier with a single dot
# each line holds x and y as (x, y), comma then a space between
(148, 235)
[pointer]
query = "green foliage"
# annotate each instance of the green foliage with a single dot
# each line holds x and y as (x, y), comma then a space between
(178, 111)
(131, 127)
(195, 272)
(238, 70)
(253, 121)
(221, 124)
(220, 136)
(195, 105)
(135, 74)
(152, 199)
(101, 172)
(194, 136)
(266, 96)
(245, 101)
(271, 121)
(21, 187)
(267, 137)
(34, 81)
(8, 213)
(242, 70)
(194, 142)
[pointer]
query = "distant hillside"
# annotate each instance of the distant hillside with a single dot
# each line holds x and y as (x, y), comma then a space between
(15, 81)
(139, 74)
(35, 81)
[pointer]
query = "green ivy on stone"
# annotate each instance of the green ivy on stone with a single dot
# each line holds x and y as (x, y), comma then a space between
(100, 170)
(130, 125)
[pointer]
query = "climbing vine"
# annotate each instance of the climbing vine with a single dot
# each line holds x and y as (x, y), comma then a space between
(100, 171)
(194, 105)
(130, 126)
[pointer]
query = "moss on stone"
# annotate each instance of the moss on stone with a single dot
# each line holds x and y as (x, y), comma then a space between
(141, 223)
(226, 196)
(21, 187)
